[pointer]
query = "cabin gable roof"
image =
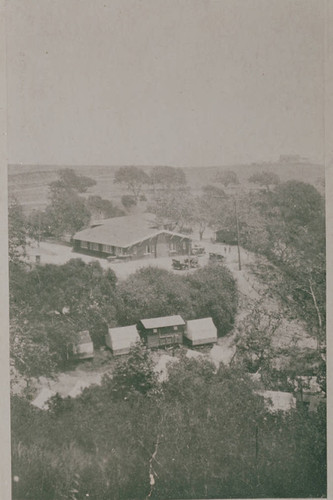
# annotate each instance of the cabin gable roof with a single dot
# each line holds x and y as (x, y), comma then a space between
(123, 232)
(162, 322)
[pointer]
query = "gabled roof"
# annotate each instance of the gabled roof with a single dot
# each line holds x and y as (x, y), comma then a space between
(162, 322)
(123, 337)
(145, 218)
(201, 329)
(123, 231)
(283, 401)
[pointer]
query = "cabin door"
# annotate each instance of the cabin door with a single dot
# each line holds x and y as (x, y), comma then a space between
(168, 340)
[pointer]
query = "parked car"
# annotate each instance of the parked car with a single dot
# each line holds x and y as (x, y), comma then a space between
(191, 262)
(196, 250)
(178, 265)
(216, 257)
(187, 263)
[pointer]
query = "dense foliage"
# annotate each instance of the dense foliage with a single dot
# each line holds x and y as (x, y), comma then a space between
(266, 179)
(67, 211)
(134, 374)
(200, 434)
(66, 214)
(102, 209)
(153, 292)
(128, 201)
(286, 225)
(50, 304)
(213, 293)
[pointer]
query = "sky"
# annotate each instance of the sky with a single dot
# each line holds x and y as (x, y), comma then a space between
(167, 82)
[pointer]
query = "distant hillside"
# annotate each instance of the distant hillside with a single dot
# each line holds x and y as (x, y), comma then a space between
(301, 171)
(29, 183)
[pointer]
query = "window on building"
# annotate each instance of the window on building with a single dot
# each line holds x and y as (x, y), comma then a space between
(184, 245)
(175, 328)
(84, 244)
(94, 246)
(107, 249)
(148, 249)
(155, 330)
(172, 246)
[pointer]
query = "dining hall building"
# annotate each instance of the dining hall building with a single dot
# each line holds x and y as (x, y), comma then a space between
(130, 237)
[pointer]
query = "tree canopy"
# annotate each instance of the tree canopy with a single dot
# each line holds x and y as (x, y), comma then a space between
(299, 205)
(69, 180)
(151, 292)
(102, 209)
(255, 347)
(134, 178)
(265, 179)
(168, 177)
(227, 177)
(174, 210)
(133, 375)
(66, 213)
(213, 293)
(286, 225)
(50, 304)
(210, 291)
(128, 201)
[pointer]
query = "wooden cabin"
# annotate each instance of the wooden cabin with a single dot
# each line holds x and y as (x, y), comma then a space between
(120, 340)
(278, 400)
(162, 332)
